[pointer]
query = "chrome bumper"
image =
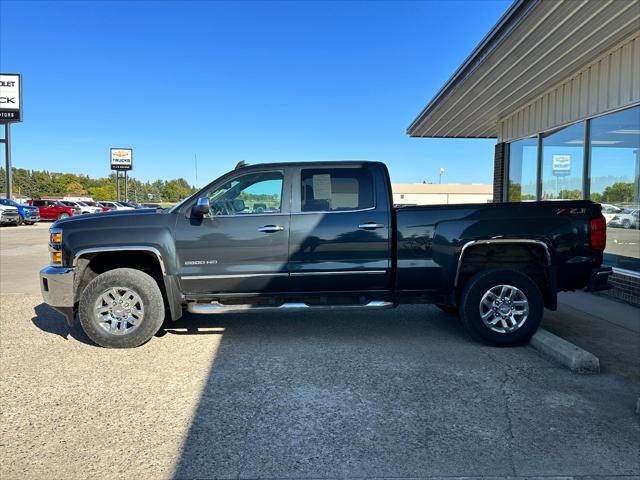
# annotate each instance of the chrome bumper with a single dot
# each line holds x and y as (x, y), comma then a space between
(56, 284)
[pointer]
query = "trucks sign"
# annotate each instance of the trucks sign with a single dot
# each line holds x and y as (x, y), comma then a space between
(121, 159)
(10, 98)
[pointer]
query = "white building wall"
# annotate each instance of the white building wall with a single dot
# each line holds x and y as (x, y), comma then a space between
(610, 82)
(441, 198)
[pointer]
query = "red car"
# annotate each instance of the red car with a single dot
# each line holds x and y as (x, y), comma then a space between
(53, 210)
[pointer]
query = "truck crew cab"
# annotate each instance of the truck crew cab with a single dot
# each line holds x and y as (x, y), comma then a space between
(320, 235)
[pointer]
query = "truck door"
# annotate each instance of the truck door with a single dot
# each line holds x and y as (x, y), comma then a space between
(340, 230)
(242, 245)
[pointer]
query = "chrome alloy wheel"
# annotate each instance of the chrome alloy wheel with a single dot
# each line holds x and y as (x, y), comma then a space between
(504, 308)
(119, 310)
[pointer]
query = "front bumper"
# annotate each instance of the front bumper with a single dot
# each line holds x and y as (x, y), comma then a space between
(599, 279)
(56, 284)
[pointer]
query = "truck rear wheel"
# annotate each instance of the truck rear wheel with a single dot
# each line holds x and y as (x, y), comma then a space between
(501, 307)
(121, 308)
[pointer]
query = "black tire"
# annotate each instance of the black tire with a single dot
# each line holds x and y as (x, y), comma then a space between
(626, 223)
(450, 309)
(479, 285)
(63, 215)
(20, 219)
(150, 297)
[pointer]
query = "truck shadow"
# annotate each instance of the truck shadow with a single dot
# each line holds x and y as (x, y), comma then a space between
(304, 394)
(50, 321)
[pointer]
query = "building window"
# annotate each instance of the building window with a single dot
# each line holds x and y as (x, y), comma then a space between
(523, 155)
(562, 163)
(614, 153)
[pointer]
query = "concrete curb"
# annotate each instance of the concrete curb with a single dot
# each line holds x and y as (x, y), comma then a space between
(566, 353)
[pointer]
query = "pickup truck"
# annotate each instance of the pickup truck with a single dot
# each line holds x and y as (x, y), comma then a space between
(9, 215)
(53, 209)
(320, 235)
(26, 214)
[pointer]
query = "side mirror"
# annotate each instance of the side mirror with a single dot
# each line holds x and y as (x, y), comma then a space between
(201, 208)
(238, 205)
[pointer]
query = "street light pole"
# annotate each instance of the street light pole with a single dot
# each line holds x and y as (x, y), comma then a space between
(441, 173)
(7, 157)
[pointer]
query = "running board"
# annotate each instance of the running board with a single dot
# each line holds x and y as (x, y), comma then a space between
(217, 307)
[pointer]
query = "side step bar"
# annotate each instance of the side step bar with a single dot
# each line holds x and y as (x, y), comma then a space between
(217, 307)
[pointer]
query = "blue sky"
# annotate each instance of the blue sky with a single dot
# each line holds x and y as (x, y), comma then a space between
(258, 81)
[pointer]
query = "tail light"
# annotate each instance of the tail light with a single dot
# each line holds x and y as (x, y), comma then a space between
(598, 231)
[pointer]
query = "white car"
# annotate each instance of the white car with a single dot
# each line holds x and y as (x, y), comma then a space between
(84, 208)
(610, 211)
(628, 218)
(115, 206)
(9, 215)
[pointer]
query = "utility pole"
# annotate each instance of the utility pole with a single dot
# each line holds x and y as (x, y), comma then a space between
(7, 158)
(195, 156)
(441, 173)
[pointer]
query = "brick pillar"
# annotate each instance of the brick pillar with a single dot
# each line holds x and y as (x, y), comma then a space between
(498, 172)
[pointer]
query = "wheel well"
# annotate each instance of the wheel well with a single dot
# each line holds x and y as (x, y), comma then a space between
(91, 265)
(530, 259)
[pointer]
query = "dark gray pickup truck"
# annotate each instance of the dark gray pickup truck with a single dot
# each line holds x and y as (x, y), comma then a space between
(320, 235)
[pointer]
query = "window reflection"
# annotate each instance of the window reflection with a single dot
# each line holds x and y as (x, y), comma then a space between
(522, 170)
(614, 147)
(562, 163)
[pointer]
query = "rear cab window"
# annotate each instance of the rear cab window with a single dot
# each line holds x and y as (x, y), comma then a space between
(336, 189)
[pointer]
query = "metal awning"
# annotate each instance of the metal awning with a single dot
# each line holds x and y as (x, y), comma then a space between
(535, 45)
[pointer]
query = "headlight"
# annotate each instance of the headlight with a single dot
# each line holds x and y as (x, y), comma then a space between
(55, 246)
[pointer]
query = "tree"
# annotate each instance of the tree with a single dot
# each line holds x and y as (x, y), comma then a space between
(619, 192)
(75, 188)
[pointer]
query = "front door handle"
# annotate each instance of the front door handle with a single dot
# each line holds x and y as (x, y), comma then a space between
(370, 226)
(271, 228)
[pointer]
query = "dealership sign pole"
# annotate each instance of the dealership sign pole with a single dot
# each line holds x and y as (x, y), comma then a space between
(10, 111)
(121, 159)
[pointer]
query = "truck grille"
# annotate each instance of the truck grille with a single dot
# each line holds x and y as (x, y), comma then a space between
(9, 215)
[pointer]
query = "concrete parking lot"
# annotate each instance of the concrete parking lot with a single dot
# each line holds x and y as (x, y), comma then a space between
(397, 393)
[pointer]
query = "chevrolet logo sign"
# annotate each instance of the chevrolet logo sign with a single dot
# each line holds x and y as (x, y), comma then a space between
(120, 154)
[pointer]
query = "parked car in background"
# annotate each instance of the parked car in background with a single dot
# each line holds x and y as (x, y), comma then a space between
(627, 218)
(54, 209)
(9, 215)
(151, 205)
(114, 206)
(95, 204)
(130, 204)
(26, 214)
(84, 208)
(610, 211)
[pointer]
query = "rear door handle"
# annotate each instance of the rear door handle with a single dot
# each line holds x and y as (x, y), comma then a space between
(271, 228)
(370, 226)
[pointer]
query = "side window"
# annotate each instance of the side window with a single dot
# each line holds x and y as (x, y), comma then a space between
(336, 189)
(253, 193)
(38, 203)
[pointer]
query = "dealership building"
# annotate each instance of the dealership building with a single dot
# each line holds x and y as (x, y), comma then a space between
(557, 84)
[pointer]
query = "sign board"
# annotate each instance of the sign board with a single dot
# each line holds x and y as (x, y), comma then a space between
(121, 159)
(10, 98)
(561, 165)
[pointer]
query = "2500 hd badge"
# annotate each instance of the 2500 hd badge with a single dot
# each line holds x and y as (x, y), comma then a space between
(321, 235)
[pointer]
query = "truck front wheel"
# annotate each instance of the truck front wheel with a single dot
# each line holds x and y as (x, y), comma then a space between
(501, 307)
(121, 308)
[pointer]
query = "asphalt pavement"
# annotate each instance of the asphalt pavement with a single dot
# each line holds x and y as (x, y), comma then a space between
(400, 393)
